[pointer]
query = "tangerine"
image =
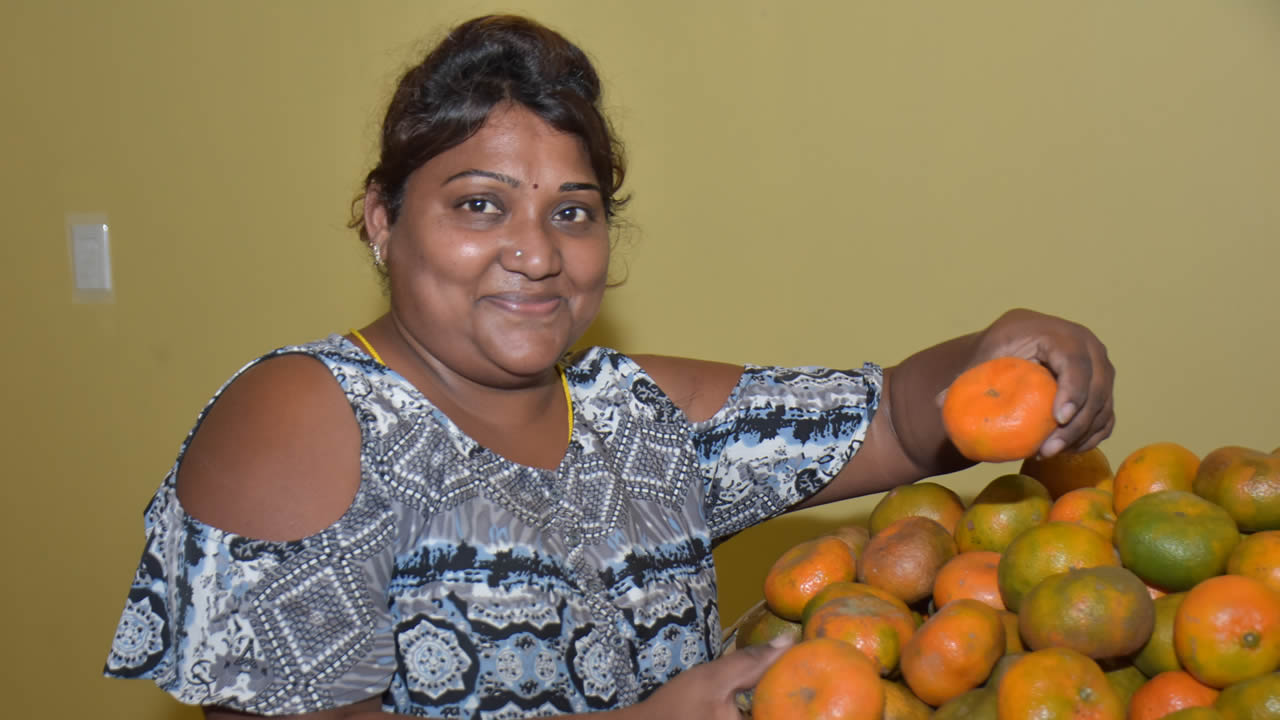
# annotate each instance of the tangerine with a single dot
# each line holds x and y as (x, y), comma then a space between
(870, 624)
(1227, 630)
(1000, 410)
(905, 557)
(1101, 612)
(1047, 550)
(901, 704)
(822, 679)
(1167, 693)
(1008, 505)
(1056, 684)
(924, 499)
(1258, 556)
(1245, 482)
(760, 626)
(1174, 539)
(855, 536)
(1256, 699)
(971, 575)
(1158, 655)
(1068, 471)
(851, 589)
(1155, 467)
(953, 651)
(1089, 507)
(804, 569)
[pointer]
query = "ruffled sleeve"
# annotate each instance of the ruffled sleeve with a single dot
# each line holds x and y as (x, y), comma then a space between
(270, 628)
(781, 437)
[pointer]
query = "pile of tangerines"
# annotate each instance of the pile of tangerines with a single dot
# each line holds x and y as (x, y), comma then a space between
(1065, 590)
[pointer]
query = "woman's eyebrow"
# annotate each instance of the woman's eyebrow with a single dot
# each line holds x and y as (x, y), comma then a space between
(506, 179)
(575, 186)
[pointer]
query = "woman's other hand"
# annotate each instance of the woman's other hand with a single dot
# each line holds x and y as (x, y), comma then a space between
(1084, 405)
(706, 692)
(907, 441)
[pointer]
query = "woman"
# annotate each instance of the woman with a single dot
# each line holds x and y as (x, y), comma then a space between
(438, 515)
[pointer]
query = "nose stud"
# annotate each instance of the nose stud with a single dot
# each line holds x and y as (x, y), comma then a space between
(519, 253)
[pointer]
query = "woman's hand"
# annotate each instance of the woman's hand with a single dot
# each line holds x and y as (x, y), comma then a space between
(1084, 406)
(706, 692)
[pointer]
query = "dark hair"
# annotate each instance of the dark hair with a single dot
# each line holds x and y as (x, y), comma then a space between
(445, 99)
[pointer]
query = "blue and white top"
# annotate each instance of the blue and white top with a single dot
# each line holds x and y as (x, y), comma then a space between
(461, 584)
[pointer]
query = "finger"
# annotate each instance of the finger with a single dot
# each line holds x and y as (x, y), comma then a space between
(1075, 377)
(1102, 427)
(1094, 412)
(742, 669)
(1102, 434)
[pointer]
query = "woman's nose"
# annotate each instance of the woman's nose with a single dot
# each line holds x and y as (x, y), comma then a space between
(532, 249)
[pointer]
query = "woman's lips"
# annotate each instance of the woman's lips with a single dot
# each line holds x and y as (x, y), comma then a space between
(526, 304)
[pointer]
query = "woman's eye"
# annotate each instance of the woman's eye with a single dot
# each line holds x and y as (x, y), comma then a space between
(480, 205)
(573, 215)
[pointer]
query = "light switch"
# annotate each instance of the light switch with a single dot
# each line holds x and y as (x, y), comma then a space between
(89, 247)
(91, 256)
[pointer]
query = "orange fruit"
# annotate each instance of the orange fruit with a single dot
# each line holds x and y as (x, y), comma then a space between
(1089, 507)
(1158, 655)
(971, 575)
(924, 499)
(1102, 612)
(1057, 684)
(1169, 692)
(953, 651)
(1155, 467)
(1245, 482)
(1012, 635)
(1002, 665)
(901, 704)
(905, 557)
(1047, 550)
(804, 569)
(1125, 680)
(1000, 410)
(1195, 713)
(1258, 556)
(821, 679)
(1068, 471)
(1004, 508)
(875, 627)
(1228, 630)
(1256, 699)
(1174, 539)
(855, 536)
(851, 589)
(976, 704)
(760, 626)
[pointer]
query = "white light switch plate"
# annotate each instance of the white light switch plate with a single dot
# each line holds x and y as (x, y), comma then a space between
(90, 243)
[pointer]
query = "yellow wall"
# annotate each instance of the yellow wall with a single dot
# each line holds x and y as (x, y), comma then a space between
(815, 182)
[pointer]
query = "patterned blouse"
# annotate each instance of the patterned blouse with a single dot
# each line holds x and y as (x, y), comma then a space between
(460, 584)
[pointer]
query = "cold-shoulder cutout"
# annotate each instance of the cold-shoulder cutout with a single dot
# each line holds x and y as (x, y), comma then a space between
(277, 456)
(698, 387)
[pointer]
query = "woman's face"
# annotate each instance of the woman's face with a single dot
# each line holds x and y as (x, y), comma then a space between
(499, 259)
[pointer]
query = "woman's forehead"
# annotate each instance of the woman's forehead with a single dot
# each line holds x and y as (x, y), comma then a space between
(516, 142)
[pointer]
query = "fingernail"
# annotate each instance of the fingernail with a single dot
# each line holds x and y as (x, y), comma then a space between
(782, 641)
(1052, 447)
(1065, 413)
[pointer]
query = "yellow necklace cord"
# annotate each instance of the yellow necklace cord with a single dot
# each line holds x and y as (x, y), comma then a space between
(564, 381)
(367, 346)
(568, 399)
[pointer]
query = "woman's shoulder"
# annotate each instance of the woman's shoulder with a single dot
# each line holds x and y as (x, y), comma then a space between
(698, 388)
(276, 454)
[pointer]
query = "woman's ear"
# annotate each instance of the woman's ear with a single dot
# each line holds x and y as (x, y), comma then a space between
(377, 224)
